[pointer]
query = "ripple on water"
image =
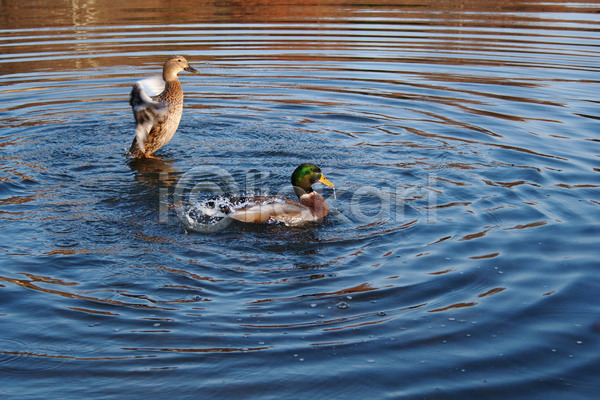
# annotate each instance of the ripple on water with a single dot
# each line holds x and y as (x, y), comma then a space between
(458, 257)
(29, 358)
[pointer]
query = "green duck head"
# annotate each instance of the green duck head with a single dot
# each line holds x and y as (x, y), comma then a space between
(305, 176)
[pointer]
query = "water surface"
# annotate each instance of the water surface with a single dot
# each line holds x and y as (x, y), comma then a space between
(459, 256)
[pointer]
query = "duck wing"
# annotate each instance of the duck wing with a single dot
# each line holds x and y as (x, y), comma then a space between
(146, 110)
(153, 86)
(287, 211)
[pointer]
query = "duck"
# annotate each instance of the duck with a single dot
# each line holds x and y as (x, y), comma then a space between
(157, 115)
(311, 206)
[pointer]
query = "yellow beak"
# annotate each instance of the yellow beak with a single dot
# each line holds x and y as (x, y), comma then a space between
(324, 181)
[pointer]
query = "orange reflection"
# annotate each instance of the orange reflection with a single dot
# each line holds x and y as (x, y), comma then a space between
(453, 306)
(492, 292)
(31, 285)
(525, 226)
(442, 272)
(440, 240)
(476, 235)
(453, 204)
(198, 350)
(491, 255)
(582, 186)
(91, 13)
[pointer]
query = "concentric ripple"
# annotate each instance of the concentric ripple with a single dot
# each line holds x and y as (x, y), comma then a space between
(459, 257)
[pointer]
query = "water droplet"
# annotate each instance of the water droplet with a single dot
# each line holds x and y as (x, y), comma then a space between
(342, 305)
(370, 361)
(313, 305)
(156, 324)
(579, 342)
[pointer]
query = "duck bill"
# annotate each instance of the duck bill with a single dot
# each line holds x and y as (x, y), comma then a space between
(324, 181)
(190, 69)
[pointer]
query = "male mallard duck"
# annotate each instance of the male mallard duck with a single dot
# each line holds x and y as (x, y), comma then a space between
(158, 117)
(312, 206)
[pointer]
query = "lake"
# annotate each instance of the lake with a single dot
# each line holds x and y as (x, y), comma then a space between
(460, 255)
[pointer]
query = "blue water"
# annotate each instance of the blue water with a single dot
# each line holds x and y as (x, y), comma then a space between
(460, 256)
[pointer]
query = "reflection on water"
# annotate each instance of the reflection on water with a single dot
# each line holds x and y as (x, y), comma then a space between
(458, 259)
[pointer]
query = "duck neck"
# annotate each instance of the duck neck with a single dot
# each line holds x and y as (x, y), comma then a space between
(300, 191)
(170, 76)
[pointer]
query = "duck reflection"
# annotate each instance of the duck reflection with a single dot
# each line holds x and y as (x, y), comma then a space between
(154, 171)
(154, 179)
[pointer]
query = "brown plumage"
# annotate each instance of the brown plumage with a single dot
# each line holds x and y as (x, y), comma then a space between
(158, 117)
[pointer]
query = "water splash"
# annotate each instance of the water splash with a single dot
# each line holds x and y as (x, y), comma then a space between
(213, 213)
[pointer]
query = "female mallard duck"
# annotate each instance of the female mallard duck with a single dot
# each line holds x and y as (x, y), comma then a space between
(312, 206)
(158, 117)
